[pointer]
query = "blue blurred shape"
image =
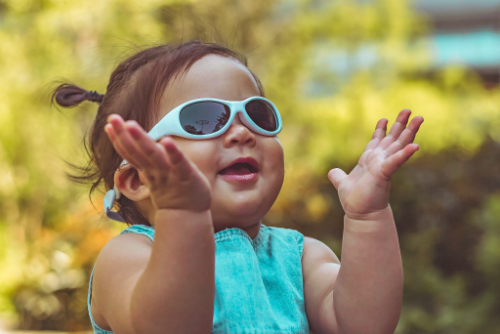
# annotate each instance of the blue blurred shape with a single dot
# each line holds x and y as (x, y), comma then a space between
(480, 49)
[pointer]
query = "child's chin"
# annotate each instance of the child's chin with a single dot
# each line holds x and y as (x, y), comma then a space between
(240, 210)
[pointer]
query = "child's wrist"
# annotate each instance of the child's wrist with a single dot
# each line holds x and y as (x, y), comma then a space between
(369, 216)
(183, 215)
(369, 222)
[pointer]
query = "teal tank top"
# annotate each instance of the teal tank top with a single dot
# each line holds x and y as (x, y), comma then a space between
(258, 283)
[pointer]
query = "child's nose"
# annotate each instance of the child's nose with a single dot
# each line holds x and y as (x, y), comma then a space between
(238, 133)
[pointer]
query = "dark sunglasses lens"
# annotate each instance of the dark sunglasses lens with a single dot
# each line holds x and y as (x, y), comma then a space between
(204, 118)
(262, 114)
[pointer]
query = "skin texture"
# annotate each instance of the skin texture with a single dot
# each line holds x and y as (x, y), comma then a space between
(180, 191)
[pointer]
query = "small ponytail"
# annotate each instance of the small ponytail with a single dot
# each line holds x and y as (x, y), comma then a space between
(68, 95)
(134, 92)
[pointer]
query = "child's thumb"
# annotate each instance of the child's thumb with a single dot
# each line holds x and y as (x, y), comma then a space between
(336, 176)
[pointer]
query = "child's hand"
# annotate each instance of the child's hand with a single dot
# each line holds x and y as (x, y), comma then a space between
(174, 182)
(366, 189)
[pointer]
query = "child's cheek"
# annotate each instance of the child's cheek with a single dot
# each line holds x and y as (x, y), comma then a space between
(274, 163)
(274, 155)
(203, 153)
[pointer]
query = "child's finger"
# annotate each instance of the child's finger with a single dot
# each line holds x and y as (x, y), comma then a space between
(400, 123)
(395, 161)
(336, 176)
(118, 146)
(407, 136)
(108, 128)
(180, 164)
(396, 128)
(155, 154)
(131, 151)
(378, 134)
(116, 122)
(164, 164)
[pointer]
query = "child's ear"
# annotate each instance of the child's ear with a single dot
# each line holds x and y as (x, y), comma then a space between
(129, 183)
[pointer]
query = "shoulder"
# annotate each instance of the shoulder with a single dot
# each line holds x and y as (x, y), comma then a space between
(320, 267)
(316, 252)
(125, 246)
(119, 264)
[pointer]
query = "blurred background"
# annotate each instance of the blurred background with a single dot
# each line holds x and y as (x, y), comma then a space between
(333, 68)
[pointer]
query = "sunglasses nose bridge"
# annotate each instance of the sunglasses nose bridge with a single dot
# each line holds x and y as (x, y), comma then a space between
(239, 107)
(239, 110)
(242, 117)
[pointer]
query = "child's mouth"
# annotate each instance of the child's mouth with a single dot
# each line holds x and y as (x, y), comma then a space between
(238, 169)
(243, 169)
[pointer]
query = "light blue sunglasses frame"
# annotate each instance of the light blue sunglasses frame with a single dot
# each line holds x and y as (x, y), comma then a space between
(170, 124)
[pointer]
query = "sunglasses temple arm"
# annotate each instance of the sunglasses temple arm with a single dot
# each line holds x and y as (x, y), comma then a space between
(109, 200)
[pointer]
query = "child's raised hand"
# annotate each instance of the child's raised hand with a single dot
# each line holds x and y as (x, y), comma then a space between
(174, 181)
(366, 189)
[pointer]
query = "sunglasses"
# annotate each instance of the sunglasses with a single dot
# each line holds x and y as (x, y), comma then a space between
(208, 118)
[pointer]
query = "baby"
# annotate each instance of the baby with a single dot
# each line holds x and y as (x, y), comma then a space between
(194, 168)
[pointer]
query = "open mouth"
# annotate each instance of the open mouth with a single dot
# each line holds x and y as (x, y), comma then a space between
(239, 168)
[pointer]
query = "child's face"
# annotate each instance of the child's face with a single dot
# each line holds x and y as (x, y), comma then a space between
(235, 203)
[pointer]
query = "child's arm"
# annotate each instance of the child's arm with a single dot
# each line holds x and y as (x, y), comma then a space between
(170, 288)
(364, 294)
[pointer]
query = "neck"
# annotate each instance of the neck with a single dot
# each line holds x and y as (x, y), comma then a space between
(253, 230)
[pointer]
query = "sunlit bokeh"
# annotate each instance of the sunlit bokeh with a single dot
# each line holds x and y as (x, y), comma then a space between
(333, 68)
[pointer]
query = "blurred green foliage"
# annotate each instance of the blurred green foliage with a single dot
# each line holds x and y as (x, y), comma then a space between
(316, 61)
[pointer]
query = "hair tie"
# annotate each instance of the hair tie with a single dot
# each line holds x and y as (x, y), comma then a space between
(94, 96)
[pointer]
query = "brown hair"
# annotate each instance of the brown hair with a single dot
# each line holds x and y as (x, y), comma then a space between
(134, 91)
